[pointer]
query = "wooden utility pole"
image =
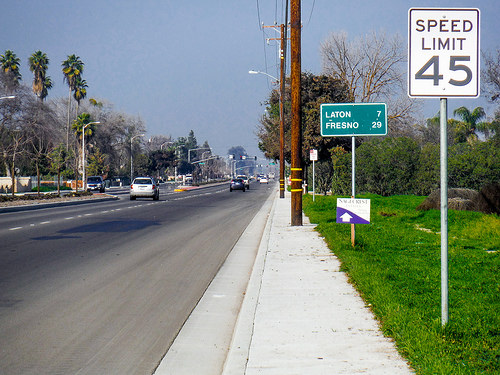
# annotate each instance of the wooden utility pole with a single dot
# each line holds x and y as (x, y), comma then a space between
(296, 147)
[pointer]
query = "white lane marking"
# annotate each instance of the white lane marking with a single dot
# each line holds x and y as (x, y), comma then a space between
(119, 209)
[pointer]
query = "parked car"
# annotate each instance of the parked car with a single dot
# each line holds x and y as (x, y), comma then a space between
(95, 183)
(245, 179)
(237, 184)
(144, 187)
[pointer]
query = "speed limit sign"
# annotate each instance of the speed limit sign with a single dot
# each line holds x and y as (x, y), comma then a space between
(443, 48)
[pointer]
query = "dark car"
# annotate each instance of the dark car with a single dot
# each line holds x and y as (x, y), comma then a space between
(95, 183)
(245, 179)
(237, 184)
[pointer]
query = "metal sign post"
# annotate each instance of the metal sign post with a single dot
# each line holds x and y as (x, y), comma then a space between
(353, 187)
(313, 156)
(443, 49)
(351, 120)
(444, 209)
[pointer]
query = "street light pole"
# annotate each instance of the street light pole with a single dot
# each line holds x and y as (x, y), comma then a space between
(163, 144)
(282, 110)
(84, 181)
(194, 149)
(131, 160)
(259, 72)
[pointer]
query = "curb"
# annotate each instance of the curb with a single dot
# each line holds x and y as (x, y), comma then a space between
(202, 345)
(38, 206)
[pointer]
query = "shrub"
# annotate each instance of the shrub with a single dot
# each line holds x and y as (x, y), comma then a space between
(387, 167)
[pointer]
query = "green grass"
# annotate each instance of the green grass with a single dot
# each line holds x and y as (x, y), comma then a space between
(396, 267)
(46, 189)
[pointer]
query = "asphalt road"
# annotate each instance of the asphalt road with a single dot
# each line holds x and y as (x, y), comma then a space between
(103, 288)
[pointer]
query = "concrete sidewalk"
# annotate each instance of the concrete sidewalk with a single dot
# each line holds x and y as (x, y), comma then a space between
(299, 314)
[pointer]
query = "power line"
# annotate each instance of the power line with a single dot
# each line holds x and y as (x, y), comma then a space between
(258, 14)
(310, 14)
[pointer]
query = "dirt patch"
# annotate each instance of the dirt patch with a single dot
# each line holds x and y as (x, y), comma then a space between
(487, 200)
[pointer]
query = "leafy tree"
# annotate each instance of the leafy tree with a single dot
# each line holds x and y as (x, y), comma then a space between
(191, 144)
(387, 167)
(161, 160)
(494, 127)
(57, 159)
(427, 177)
(473, 165)
(341, 179)
(315, 90)
(97, 165)
(324, 176)
(431, 132)
(38, 64)
(142, 165)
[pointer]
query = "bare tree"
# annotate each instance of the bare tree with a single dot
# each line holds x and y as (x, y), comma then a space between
(42, 135)
(373, 69)
(491, 75)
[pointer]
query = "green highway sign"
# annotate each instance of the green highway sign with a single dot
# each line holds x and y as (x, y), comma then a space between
(353, 119)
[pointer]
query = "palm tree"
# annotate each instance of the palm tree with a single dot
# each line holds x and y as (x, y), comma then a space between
(10, 66)
(78, 124)
(47, 85)
(38, 64)
(72, 68)
(466, 130)
(80, 91)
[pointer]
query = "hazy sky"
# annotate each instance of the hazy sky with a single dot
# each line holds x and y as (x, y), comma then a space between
(183, 64)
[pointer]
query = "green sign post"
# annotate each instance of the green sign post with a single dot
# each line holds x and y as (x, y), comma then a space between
(353, 119)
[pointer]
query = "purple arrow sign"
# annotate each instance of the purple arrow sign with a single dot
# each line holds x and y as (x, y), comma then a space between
(353, 211)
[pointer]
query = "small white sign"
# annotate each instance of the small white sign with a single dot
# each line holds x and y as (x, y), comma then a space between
(313, 155)
(353, 211)
(443, 50)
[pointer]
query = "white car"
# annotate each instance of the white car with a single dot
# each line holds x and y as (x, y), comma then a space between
(144, 187)
(264, 180)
